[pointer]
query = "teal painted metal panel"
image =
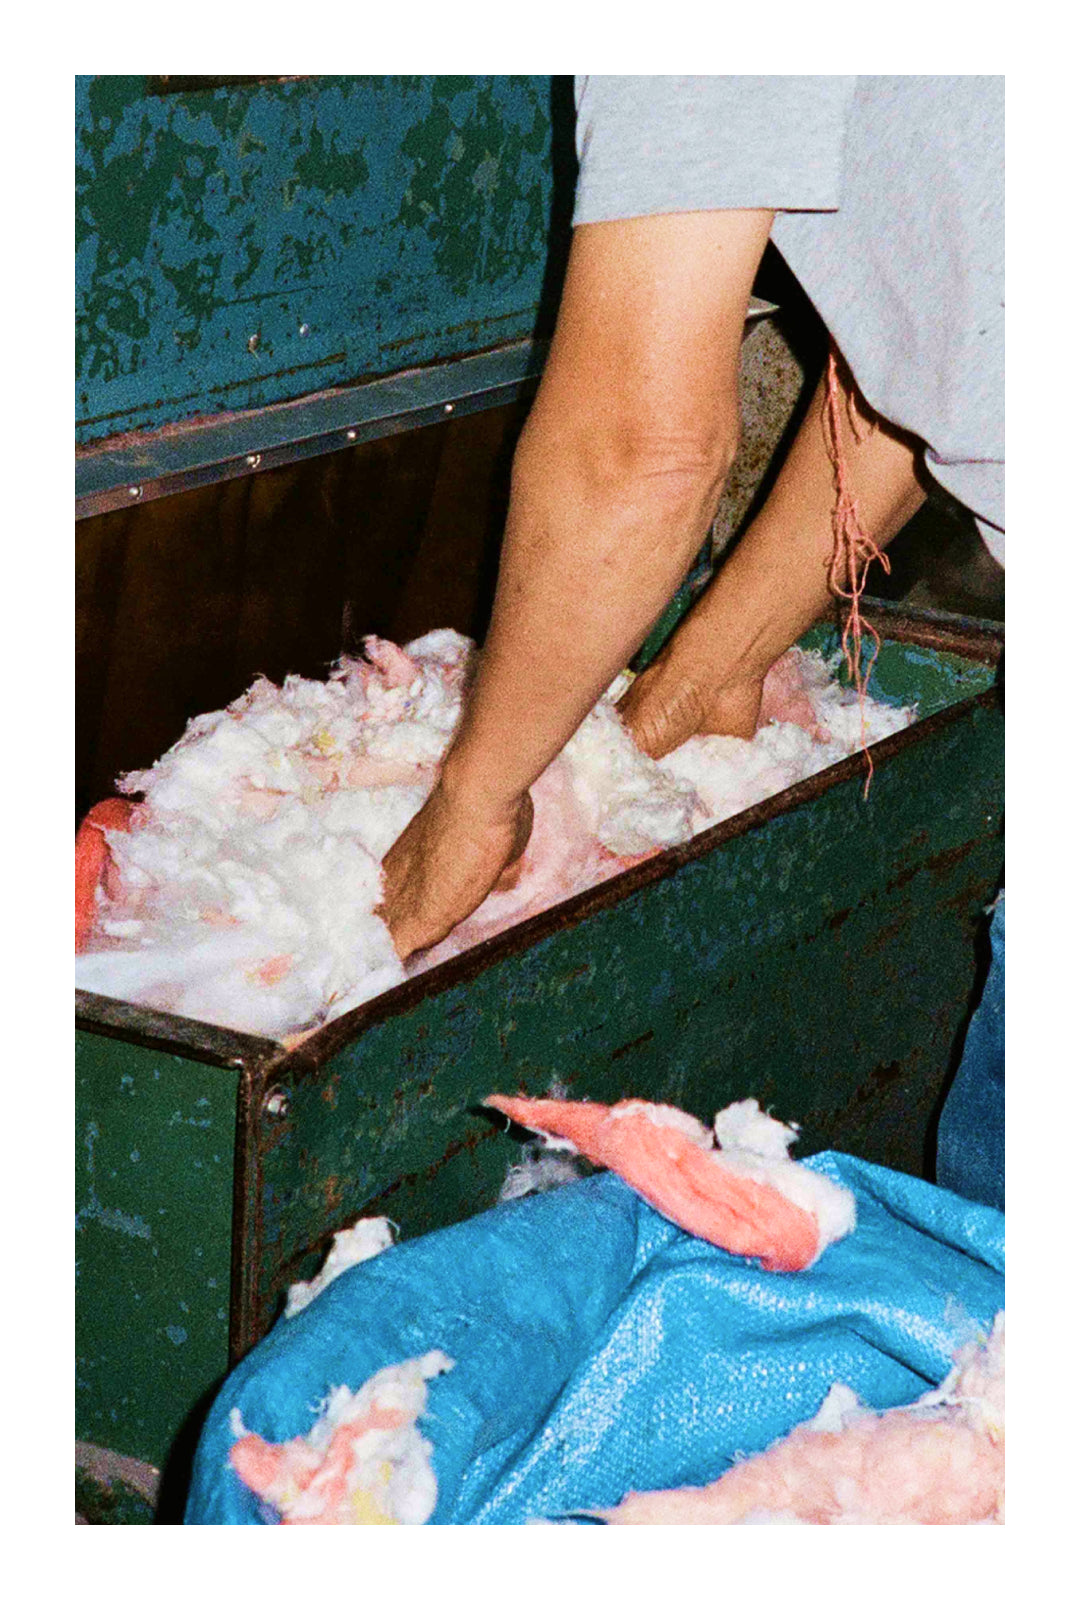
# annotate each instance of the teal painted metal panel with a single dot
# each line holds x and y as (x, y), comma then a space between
(246, 245)
(153, 1233)
(149, 466)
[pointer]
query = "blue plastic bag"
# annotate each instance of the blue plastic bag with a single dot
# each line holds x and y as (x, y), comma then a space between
(600, 1349)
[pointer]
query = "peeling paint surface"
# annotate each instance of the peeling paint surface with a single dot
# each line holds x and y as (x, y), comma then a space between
(92, 1209)
(152, 1240)
(250, 244)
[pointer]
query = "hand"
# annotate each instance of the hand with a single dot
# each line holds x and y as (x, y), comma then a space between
(445, 863)
(679, 695)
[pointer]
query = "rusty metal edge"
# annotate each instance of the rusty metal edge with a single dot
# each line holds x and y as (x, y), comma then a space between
(171, 1034)
(111, 475)
(246, 1248)
(976, 638)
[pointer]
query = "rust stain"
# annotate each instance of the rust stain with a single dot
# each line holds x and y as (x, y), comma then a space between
(409, 1180)
(938, 864)
(576, 972)
(886, 935)
(972, 892)
(945, 860)
(632, 1044)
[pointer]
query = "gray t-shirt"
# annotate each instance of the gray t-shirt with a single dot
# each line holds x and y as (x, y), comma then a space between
(891, 215)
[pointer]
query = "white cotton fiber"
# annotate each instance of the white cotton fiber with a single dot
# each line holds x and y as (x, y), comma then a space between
(755, 1145)
(631, 802)
(246, 894)
(731, 774)
(367, 1238)
(365, 1461)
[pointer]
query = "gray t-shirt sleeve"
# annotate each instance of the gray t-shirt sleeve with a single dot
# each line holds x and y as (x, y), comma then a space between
(648, 145)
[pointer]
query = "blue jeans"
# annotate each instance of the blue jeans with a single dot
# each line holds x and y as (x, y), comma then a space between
(971, 1132)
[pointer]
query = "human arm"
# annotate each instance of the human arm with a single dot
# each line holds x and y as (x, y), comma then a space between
(775, 582)
(615, 480)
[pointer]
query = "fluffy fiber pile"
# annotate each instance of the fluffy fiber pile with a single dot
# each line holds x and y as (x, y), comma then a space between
(365, 1461)
(244, 891)
(941, 1461)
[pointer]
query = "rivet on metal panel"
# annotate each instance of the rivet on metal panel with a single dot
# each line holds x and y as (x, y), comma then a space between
(253, 343)
(253, 461)
(276, 1104)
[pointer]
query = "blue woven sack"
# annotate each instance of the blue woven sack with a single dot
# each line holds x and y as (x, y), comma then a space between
(599, 1349)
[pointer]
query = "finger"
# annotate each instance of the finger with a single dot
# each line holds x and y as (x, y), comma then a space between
(659, 721)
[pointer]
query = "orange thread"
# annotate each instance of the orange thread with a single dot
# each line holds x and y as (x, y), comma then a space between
(853, 551)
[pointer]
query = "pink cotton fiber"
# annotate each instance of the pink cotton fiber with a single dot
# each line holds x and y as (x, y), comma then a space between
(364, 1461)
(941, 1460)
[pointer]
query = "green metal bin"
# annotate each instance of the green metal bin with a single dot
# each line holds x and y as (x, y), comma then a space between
(817, 951)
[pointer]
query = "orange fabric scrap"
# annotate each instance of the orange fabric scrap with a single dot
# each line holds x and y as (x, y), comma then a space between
(665, 1156)
(92, 858)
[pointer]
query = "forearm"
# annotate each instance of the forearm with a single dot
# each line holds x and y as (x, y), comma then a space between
(775, 583)
(592, 554)
(615, 481)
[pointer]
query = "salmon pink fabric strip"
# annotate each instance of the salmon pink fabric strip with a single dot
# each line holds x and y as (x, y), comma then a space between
(665, 1156)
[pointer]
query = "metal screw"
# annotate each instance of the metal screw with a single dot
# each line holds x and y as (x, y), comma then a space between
(253, 343)
(135, 491)
(276, 1104)
(448, 407)
(304, 330)
(253, 461)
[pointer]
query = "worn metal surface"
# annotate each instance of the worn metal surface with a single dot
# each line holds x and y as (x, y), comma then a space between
(111, 1489)
(253, 243)
(148, 466)
(818, 952)
(138, 467)
(153, 1195)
